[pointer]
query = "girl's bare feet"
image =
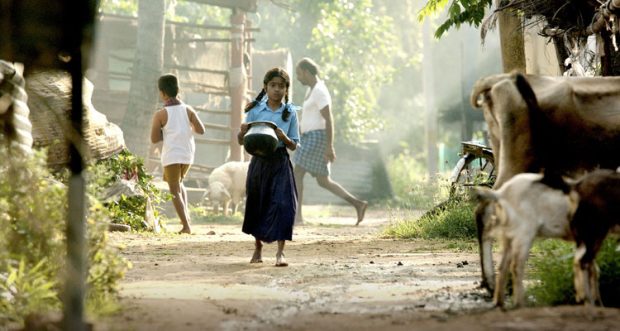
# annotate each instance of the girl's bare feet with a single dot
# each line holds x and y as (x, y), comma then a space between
(257, 258)
(185, 230)
(258, 250)
(361, 211)
(280, 261)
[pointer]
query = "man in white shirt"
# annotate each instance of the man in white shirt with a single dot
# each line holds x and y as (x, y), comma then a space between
(317, 140)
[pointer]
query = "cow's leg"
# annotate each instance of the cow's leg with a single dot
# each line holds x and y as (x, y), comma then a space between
(234, 207)
(500, 284)
(485, 245)
(486, 258)
(226, 207)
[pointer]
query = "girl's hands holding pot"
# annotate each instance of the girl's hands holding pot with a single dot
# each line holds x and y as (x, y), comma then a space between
(281, 135)
(244, 128)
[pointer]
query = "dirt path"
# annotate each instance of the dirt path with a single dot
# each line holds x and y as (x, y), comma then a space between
(340, 277)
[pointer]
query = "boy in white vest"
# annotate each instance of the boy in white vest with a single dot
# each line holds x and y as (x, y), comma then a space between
(176, 124)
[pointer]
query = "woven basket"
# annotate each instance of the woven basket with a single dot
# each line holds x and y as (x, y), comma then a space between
(49, 99)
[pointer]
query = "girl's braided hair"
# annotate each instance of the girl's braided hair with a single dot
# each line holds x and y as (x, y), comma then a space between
(271, 74)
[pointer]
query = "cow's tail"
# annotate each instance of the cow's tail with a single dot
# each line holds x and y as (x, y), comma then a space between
(527, 93)
(538, 132)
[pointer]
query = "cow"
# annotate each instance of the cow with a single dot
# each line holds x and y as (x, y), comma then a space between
(564, 125)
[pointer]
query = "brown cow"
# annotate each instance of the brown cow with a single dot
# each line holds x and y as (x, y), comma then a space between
(564, 125)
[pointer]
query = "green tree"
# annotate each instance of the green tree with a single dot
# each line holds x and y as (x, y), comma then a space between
(356, 43)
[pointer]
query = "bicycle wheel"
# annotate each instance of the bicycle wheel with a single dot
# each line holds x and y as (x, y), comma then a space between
(471, 170)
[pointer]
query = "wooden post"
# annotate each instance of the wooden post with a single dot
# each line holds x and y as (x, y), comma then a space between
(236, 81)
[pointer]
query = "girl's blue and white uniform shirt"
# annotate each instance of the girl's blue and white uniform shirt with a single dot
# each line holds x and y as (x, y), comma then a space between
(262, 112)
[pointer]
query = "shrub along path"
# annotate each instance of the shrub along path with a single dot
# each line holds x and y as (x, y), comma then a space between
(340, 277)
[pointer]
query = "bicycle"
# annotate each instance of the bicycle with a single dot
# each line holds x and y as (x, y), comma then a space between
(476, 167)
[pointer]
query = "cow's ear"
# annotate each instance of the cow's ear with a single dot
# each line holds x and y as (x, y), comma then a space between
(485, 194)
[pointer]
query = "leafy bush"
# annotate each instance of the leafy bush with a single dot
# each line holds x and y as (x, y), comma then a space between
(129, 210)
(32, 240)
(552, 272)
(26, 290)
(455, 220)
(411, 186)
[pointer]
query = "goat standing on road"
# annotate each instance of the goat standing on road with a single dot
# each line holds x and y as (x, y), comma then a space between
(524, 208)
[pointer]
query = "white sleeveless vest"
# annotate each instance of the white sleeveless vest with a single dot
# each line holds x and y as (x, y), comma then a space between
(178, 146)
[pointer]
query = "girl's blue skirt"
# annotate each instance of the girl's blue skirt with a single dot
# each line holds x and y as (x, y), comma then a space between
(271, 197)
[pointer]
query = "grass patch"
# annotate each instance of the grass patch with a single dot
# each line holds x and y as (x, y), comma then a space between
(454, 221)
(202, 215)
(552, 273)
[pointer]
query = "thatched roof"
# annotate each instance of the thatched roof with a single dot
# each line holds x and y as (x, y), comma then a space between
(577, 17)
(49, 99)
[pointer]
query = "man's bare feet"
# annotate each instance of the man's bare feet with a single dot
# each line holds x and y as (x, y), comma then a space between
(280, 261)
(185, 230)
(361, 211)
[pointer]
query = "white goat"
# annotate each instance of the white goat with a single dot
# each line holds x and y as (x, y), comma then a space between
(522, 209)
(226, 185)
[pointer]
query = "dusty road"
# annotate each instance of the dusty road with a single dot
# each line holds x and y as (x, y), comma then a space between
(340, 277)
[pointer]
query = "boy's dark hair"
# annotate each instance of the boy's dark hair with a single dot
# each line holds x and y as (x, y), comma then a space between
(271, 74)
(169, 84)
(307, 64)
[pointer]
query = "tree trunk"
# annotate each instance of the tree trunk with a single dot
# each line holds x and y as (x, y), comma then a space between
(147, 67)
(511, 41)
(429, 100)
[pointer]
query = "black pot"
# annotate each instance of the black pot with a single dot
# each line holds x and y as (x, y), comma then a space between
(261, 139)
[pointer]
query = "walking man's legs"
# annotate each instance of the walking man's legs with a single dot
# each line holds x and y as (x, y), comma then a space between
(360, 205)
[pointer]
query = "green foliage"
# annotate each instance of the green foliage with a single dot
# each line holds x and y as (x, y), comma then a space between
(410, 184)
(129, 210)
(121, 7)
(459, 12)
(356, 45)
(455, 220)
(198, 13)
(107, 267)
(552, 272)
(32, 240)
(26, 290)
